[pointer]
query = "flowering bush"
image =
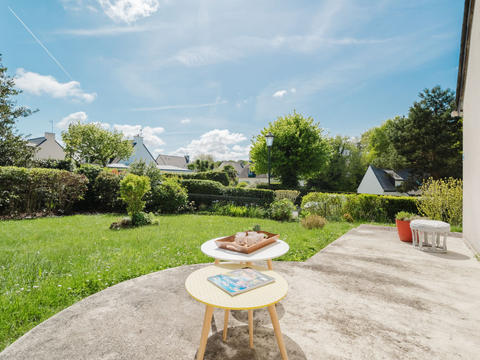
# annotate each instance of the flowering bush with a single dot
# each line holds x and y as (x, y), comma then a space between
(282, 210)
(442, 200)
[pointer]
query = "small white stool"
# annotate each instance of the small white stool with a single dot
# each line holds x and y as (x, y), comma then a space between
(433, 232)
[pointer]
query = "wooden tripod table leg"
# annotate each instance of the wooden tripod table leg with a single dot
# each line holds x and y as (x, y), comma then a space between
(207, 321)
(217, 261)
(225, 324)
(270, 264)
(250, 327)
(278, 332)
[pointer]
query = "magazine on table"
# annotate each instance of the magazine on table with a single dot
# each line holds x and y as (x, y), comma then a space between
(239, 281)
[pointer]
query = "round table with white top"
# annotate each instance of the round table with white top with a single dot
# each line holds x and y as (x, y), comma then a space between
(202, 290)
(267, 253)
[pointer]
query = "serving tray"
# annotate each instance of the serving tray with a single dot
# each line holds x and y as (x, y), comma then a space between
(228, 243)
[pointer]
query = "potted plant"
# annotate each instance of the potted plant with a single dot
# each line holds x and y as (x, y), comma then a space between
(402, 220)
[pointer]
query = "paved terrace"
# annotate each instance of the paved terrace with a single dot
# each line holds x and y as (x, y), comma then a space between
(366, 296)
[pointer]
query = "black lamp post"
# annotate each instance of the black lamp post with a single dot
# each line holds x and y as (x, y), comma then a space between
(269, 138)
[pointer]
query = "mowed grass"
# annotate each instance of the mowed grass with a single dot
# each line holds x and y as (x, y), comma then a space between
(48, 264)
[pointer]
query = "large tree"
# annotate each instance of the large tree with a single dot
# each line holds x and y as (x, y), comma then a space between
(429, 138)
(379, 149)
(14, 149)
(345, 169)
(92, 144)
(299, 149)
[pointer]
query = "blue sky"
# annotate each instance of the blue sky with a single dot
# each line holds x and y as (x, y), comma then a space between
(205, 76)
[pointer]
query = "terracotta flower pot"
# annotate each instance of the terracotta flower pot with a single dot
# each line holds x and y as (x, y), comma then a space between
(404, 232)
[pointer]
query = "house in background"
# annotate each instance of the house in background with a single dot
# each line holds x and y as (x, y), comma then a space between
(468, 106)
(47, 147)
(236, 165)
(248, 176)
(378, 181)
(172, 163)
(140, 153)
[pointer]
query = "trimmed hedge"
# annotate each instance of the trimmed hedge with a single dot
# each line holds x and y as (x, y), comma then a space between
(206, 191)
(362, 207)
(29, 191)
(219, 176)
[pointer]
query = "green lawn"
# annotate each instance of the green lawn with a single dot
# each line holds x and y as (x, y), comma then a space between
(50, 263)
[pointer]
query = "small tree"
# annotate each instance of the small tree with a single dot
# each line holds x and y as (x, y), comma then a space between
(132, 190)
(92, 144)
(299, 149)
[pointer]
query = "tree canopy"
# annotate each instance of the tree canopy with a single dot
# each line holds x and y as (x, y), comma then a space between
(14, 149)
(429, 138)
(345, 169)
(92, 144)
(299, 149)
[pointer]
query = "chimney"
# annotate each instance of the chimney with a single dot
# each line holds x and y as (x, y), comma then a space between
(49, 136)
(187, 158)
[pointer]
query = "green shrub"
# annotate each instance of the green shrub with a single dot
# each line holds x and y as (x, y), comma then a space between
(52, 164)
(208, 187)
(242, 184)
(313, 222)
(252, 195)
(230, 209)
(142, 218)
(106, 189)
(89, 201)
(348, 218)
(291, 195)
(215, 175)
(329, 206)
(132, 190)
(168, 197)
(206, 192)
(34, 190)
(442, 200)
(405, 216)
(361, 207)
(282, 210)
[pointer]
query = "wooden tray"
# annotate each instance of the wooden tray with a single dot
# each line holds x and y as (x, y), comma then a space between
(226, 243)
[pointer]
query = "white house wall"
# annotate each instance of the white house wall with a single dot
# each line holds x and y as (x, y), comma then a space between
(471, 135)
(49, 149)
(370, 184)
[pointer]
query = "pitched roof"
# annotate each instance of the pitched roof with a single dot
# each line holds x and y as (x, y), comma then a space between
(386, 178)
(171, 168)
(37, 141)
(172, 160)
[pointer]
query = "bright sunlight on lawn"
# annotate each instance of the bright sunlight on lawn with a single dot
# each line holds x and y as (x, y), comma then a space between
(50, 263)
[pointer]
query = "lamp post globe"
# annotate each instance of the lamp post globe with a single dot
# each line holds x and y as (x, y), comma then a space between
(269, 139)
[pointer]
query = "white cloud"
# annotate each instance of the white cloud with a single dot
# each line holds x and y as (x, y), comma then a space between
(79, 116)
(128, 10)
(185, 121)
(293, 90)
(150, 135)
(46, 84)
(280, 93)
(221, 144)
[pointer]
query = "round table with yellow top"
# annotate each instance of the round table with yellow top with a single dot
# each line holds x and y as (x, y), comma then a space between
(202, 290)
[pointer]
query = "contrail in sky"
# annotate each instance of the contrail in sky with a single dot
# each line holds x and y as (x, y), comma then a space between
(41, 44)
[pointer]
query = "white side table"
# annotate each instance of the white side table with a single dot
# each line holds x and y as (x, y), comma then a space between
(430, 235)
(266, 253)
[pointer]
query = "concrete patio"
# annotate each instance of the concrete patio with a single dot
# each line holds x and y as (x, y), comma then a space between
(366, 296)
